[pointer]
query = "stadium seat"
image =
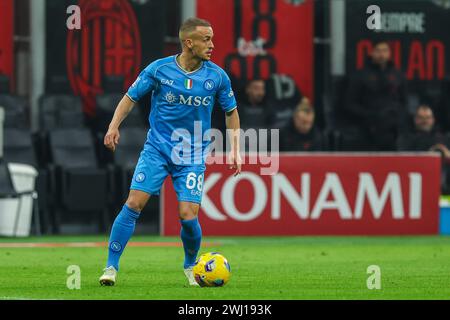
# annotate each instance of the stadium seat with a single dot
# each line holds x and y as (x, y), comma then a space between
(58, 84)
(56, 111)
(77, 181)
(60, 111)
(15, 111)
(19, 148)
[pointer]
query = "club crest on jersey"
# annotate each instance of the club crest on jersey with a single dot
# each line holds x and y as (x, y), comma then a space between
(208, 84)
(140, 177)
(188, 83)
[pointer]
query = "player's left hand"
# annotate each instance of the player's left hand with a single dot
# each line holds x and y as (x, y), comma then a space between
(111, 139)
(235, 162)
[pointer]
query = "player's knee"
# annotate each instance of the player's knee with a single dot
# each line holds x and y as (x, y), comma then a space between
(134, 204)
(188, 213)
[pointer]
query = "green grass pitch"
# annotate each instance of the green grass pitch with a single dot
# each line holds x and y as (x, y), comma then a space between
(262, 268)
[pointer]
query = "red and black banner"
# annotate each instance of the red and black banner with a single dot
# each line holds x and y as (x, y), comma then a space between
(108, 43)
(416, 30)
(261, 38)
(6, 40)
(116, 38)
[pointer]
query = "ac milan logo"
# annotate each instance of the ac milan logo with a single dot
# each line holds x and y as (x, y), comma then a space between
(107, 44)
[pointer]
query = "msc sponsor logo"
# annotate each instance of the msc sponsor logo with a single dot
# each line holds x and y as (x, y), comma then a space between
(195, 101)
(170, 98)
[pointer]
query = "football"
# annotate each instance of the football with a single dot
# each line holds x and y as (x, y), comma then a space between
(212, 270)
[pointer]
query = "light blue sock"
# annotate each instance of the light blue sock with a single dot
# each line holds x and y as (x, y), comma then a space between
(191, 235)
(121, 232)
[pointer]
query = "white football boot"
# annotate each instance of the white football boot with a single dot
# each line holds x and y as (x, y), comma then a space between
(190, 275)
(109, 276)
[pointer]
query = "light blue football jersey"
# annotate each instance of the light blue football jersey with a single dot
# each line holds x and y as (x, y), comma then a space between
(181, 106)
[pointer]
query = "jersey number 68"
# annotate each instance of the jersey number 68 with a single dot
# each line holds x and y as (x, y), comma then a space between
(193, 180)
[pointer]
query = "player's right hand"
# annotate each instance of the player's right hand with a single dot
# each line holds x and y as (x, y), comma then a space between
(111, 139)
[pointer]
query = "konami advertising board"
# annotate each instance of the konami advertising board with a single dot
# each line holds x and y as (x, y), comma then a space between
(320, 194)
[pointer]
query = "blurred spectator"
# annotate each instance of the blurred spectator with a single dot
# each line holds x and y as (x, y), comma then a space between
(424, 136)
(253, 110)
(301, 134)
(376, 101)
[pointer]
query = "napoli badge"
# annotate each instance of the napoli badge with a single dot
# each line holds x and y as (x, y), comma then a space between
(140, 177)
(209, 85)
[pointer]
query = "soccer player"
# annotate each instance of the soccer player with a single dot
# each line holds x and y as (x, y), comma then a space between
(184, 90)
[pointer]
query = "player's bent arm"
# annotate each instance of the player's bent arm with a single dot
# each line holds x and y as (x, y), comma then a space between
(233, 128)
(123, 109)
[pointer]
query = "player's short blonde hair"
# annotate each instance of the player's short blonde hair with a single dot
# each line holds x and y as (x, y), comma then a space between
(189, 25)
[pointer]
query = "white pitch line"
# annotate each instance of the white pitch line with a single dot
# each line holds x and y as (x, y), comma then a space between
(16, 298)
(23, 298)
(52, 245)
